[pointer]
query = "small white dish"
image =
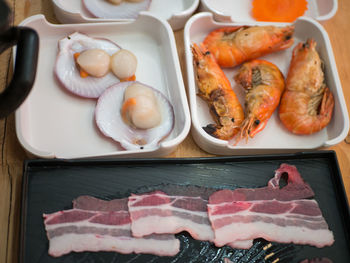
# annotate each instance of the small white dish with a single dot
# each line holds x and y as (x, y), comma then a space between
(54, 123)
(274, 138)
(240, 10)
(176, 12)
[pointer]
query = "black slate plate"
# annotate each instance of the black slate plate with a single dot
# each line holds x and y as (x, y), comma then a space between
(51, 185)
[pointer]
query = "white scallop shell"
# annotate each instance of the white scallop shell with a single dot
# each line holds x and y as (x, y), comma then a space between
(111, 124)
(67, 72)
(125, 10)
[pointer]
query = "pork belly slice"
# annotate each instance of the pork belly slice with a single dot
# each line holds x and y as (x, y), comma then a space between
(298, 222)
(90, 203)
(273, 213)
(81, 230)
(182, 208)
(295, 189)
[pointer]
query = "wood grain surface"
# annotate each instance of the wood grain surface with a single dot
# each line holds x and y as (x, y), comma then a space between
(12, 154)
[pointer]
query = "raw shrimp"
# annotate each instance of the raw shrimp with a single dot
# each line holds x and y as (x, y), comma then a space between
(265, 84)
(232, 46)
(215, 88)
(307, 104)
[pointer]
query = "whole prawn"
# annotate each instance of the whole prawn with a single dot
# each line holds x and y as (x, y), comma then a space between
(215, 88)
(265, 84)
(307, 104)
(232, 46)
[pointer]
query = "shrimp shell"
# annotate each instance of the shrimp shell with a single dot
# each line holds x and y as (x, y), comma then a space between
(307, 105)
(215, 89)
(232, 46)
(265, 84)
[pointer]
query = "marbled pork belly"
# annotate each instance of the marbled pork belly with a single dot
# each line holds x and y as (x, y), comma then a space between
(180, 208)
(276, 214)
(106, 228)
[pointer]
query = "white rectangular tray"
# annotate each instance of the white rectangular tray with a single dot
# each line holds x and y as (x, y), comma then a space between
(240, 10)
(176, 12)
(274, 138)
(54, 123)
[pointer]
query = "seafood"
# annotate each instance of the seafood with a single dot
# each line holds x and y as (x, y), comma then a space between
(307, 104)
(215, 88)
(118, 10)
(265, 84)
(135, 115)
(123, 65)
(93, 62)
(140, 108)
(70, 76)
(232, 46)
(87, 66)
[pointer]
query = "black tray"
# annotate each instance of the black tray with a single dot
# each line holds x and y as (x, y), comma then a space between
(51, 185)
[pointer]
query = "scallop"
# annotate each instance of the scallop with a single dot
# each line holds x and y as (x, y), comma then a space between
(110, 120)
(124, 10)
(68, 73)
(123, 64)
(95, 62)
(140, 107)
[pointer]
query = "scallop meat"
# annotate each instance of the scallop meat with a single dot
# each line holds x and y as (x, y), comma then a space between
(68, 72)
(135, 115)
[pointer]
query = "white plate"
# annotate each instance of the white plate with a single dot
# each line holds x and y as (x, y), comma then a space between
(54, 123)
(176, 12)
(240, 10)
(274, 138)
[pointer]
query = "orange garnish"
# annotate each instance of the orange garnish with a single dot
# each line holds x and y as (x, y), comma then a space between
(132, 78)
(278, 10)
(126, 105)
(82, 72)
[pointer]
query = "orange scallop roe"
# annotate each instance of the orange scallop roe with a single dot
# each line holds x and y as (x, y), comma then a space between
(278, 10)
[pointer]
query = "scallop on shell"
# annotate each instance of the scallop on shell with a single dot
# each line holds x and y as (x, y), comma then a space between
(110, 121)
(125, 10)
(67, 72)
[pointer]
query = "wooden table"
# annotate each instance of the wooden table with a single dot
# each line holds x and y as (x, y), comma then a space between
(12, 154)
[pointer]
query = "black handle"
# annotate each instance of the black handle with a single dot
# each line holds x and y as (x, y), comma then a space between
(27, 41)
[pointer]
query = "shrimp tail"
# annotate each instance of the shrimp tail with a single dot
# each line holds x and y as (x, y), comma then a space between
(221, 132)
(211, 129)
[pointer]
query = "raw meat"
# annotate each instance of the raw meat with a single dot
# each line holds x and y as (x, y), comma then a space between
(273, 213)
(104, 230)
(180, 209)
(295, 189)
(146, 223)
(91, 203)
